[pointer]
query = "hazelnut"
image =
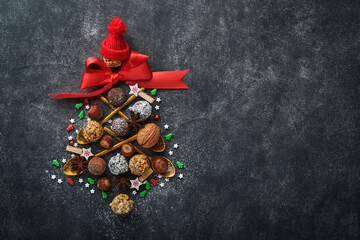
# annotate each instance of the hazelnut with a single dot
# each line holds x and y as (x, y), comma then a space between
(97, 166)
(106, 142)
(95, 112)
(160, 165)
(127, 150)
(104, 184)
(116, 97)
(148, 136)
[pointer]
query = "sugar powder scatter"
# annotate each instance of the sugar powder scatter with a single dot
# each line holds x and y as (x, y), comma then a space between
(143, 108)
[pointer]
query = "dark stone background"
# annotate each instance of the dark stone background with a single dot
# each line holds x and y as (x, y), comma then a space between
(268, 131)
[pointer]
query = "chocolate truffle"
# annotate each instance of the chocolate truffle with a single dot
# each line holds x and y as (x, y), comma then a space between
(122, 204)
(143, 108)
(120, 127)
(116, 97)
(118, 164)
(92, 131)
(138, 164)
(97, 166)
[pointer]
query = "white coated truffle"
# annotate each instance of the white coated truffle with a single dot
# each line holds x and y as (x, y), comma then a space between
(118, 164)
(143, 108)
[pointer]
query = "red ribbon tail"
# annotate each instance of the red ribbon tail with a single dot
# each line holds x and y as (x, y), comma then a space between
(85, 95)
(164, 80)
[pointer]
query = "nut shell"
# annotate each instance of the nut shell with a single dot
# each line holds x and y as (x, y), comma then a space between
(121, 204)
(106, 142)
(149, 135)
(116, 97)
(95, 112)
(104, 184)
(97, 166)
(138, 164)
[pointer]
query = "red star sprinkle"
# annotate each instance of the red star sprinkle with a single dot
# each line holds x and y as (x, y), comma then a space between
(70, 181)
(71, 142)
(155, 182)
(70, 127)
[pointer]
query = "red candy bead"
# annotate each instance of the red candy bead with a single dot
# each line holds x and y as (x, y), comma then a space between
(70, 181)
(86, 100)
(71, 142)
(70, 127)
(155, 182)
(156, 117)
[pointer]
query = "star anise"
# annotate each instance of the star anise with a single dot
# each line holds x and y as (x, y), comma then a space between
(123, 182)
(135, 121)
(79, 164)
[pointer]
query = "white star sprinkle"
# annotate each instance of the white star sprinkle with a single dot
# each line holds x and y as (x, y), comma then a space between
(53, 176)
(92, 191)
(87, 185)
(181, 175)
(64, 160)
(77, 131)
(134, 192)
(167, 179)
(72, 155)
(159, 176)
(158, 99)
(157, 107)
(176, 146)
(166, 126)
(110, 121)
(70, 138)
(162, 184)
(46, 171)
(59, 181)
(81, 180)
(88, 119)
(76, 144)
(87, 153)
(72, 120)
(87, 107)
(171, 153)
(134, 89)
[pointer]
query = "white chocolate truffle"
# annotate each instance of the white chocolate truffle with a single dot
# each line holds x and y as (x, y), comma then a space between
(143, 108)
(118, 164)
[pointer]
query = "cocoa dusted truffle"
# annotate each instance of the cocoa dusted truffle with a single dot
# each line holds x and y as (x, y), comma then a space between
(120, 127)
(97, 166)
(143, 108)
(138, 164)
(116, 97)
(92, 131)
(122, 204)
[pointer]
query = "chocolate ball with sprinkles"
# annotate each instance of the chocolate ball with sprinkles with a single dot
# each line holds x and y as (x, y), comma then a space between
(118, 164)
(116, 97)
(120, 127)
(138, 164)
(143, 108)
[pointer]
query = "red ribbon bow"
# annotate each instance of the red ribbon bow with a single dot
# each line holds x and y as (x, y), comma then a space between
(134, 70)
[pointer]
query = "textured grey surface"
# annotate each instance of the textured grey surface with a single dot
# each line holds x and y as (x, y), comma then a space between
(268, 131)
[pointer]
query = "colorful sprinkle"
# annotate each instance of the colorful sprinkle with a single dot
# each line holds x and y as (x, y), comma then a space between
(56, 163)
(156, 117)
(180, 165)
(78, 105)
(86, 100)
(147, 186)
(143, 193)
(70, 127)
(169, 136)
(71, 142)
(155, 182)
(104, 195)
(70, 181)
(153, 92)
(81, 115)
(91, 181)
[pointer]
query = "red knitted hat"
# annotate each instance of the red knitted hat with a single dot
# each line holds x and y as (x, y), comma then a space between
(114, 46)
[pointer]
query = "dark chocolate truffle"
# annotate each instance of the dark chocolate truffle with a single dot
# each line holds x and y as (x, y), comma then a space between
(120, 127)
(97, 166)
(116, 97)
